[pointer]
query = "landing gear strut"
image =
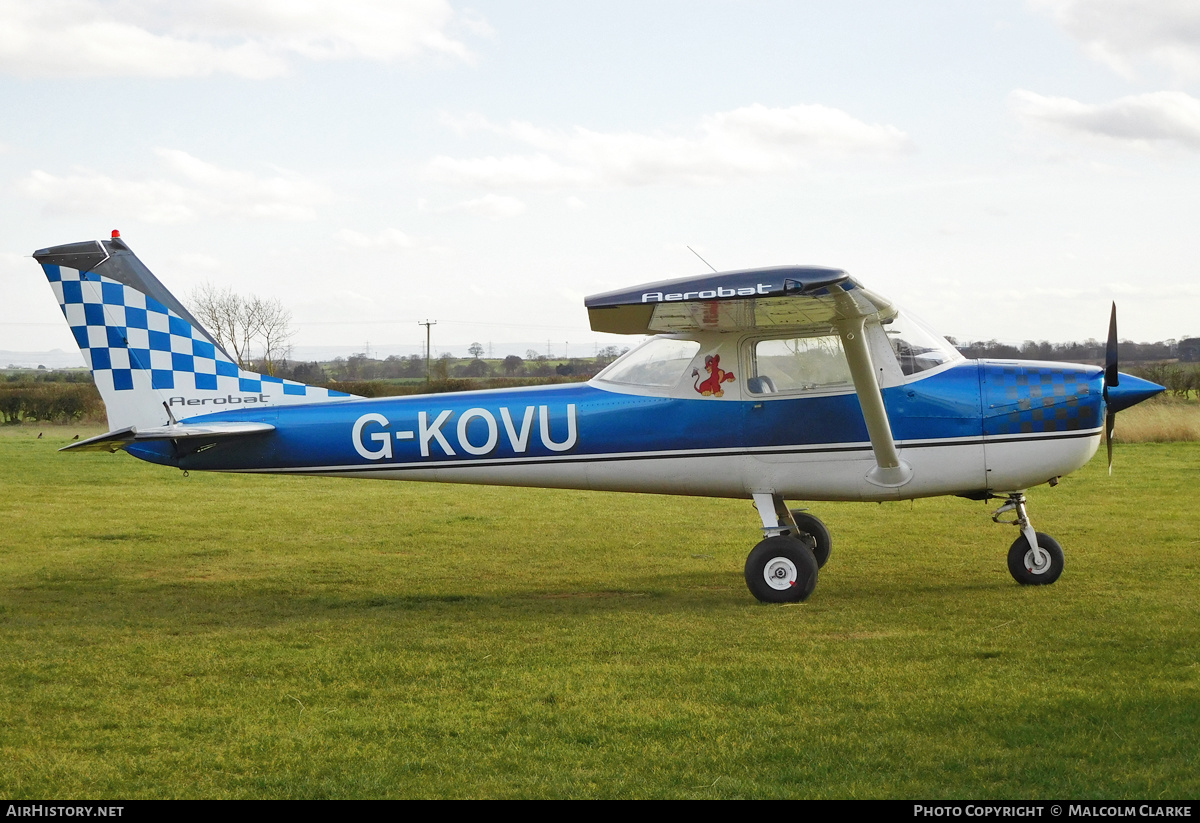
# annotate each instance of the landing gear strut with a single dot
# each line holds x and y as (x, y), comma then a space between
(783, 567)
(1034, 559)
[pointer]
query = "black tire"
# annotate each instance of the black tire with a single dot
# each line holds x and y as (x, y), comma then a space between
(781, 570)
(814, 535)
(1020, 561)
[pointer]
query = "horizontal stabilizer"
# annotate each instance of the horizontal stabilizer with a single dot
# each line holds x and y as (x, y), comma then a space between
(119, 439)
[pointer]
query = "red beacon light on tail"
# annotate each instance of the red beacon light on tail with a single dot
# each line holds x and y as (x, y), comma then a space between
(116, 234)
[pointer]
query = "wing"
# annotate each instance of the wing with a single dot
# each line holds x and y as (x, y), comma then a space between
(781, 296)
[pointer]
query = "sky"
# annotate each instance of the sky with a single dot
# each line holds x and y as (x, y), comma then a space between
(1004, 168)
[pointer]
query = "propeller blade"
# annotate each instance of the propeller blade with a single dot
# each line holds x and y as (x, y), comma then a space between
(1110, 354)
(1110, 422)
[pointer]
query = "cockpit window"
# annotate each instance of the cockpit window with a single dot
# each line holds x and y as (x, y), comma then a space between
(917, 347)
(660, 362)
(798, 364)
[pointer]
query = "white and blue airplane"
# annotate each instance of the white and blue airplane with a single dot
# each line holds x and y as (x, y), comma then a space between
(770, 384)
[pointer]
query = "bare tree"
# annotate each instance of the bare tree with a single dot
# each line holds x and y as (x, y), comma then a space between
(274, 329)
(245, 326)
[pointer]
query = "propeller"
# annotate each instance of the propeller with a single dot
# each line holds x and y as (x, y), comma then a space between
(1111, 378)
(1120, 394)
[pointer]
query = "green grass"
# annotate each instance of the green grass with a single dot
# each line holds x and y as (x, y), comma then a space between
(230, 636)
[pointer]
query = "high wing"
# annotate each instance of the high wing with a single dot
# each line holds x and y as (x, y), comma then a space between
(777, 297)
(804, 298)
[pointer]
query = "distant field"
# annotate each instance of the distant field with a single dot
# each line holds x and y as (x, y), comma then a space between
(1162, 419)
(228, 636)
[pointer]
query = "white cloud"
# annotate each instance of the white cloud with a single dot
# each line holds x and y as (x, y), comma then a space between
(748, 142)
(1120, 32)
(188, 189)
(386, 239)
(1139, 120)
(491, 205)
(160, 38)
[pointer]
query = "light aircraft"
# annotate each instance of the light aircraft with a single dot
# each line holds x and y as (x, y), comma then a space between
(771, 384)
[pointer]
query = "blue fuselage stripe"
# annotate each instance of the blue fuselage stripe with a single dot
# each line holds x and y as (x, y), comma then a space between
(970, 403)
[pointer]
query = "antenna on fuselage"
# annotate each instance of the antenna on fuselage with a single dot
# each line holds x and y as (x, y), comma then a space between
(702, 260)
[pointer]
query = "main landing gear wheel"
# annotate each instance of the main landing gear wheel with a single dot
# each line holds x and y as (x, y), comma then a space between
(1023, 562)
(781, 569)
(814, 535)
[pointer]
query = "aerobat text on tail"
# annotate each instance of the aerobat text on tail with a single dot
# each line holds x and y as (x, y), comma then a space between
(789, 382)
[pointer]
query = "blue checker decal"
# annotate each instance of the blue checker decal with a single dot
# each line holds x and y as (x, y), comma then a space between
(205, 366)
(1029, 400)
(135, 318)
(179, 327)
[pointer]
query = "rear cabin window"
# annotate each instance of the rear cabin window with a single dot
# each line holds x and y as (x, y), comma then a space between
(660, 362)
(798, 364)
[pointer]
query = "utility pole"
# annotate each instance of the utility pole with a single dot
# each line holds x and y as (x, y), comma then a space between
(427, 325)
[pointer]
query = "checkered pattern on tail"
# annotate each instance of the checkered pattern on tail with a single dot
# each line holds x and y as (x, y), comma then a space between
(127, 337)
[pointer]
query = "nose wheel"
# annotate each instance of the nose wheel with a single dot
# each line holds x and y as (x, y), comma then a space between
(1030, 568)
(1034, 559)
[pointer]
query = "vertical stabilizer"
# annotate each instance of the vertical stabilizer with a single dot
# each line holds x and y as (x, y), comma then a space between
(146, 351)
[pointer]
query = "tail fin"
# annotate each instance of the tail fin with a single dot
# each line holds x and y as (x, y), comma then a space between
(151, 359)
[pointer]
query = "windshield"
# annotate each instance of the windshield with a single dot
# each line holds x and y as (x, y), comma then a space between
(917, 347)
(660, 362)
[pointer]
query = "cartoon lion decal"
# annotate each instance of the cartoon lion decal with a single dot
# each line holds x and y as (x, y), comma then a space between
(711, 385)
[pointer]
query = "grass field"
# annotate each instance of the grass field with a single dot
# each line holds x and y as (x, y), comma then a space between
(229, 636)
(1162, 419)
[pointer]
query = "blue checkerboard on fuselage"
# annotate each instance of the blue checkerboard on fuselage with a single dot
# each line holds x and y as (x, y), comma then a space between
(132, 342)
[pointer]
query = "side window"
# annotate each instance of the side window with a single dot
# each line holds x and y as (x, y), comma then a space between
(798, 364)
(660, 362)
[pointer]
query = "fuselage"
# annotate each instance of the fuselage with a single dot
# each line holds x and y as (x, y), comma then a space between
(966, 427)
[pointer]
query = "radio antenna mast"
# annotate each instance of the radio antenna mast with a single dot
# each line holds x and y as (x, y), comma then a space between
(702, 260)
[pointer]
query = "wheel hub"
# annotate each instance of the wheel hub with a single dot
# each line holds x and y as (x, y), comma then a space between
(780, 573)
(1037, 562)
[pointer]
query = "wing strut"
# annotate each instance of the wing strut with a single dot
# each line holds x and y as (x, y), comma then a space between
(890, 470)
